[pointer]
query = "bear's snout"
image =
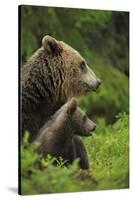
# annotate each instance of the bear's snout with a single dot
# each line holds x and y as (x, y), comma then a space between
(93, 128)
(98, 82)
(95, 84)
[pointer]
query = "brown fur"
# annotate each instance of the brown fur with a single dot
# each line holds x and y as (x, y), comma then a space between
(54, 73)
(59, 137)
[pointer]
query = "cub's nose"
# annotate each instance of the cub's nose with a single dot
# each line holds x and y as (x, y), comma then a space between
(93, 128)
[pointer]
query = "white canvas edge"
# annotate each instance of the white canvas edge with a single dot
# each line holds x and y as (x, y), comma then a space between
(9, 98)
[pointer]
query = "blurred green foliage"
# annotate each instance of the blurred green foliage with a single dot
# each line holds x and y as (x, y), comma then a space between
(112, 96)
(108, 155)
(100, 36)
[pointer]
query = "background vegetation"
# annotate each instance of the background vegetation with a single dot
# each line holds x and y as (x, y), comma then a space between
(102, 38)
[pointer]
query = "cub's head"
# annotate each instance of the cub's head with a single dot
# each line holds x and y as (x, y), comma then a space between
(76, 76)
(79, 121)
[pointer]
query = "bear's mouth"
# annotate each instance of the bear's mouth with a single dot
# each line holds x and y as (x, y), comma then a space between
(90, 133)
(91, 89)
(86, 134)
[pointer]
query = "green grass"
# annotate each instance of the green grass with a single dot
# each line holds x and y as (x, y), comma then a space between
(108, 153)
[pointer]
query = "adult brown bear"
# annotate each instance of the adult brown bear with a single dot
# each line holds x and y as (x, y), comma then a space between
(54, 73)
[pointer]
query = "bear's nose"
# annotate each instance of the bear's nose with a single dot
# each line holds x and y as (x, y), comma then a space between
(94, 127)
(98, 83)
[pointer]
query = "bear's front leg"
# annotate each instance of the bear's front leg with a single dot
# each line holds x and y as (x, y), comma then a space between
(81, 153)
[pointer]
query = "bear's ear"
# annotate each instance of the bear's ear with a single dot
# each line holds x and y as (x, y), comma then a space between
(50, 45)
(72, 105)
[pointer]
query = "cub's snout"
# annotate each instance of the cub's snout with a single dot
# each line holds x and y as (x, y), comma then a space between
(93, 128)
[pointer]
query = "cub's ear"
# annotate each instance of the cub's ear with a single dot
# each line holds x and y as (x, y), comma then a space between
(51, 45)
(72, 105)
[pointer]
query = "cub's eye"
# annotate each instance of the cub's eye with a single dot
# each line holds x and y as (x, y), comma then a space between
(84, 118)
(83, 66)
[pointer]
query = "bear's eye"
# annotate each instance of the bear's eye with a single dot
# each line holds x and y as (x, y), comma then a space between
(83, 66)
(84, 118)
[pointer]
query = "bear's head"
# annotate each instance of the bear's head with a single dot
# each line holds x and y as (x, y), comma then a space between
(77, 78)
(79, 121)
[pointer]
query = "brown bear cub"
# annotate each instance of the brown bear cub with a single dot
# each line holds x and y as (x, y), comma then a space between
(59, 136)
(54, 73)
